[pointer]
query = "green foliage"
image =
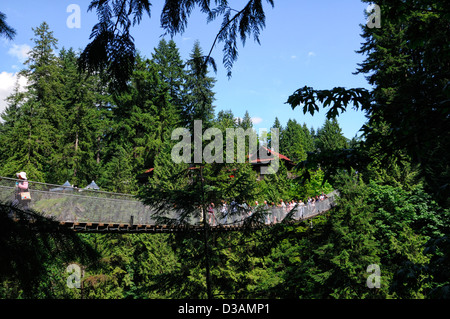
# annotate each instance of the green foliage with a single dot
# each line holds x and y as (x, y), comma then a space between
(198, 92)
(406, 65)
(315, 185)
(337, 98)
(403, 153)
(349, 247)
(50, 130)
(293, 141)
(330, 137)
(75, 159)
(393, 183)
(324, 258)
(406, 61)
(33, 127)
(243, 23)
(34, 256)
(142, 119)
(5, 30)
(128, 266)
(112, 50)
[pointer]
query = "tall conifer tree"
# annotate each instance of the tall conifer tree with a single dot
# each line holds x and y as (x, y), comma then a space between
(330, 137)
(80, 97)
(199, 96)
(34, 137)
(171, 70)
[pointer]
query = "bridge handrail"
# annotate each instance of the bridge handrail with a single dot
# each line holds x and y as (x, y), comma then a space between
(74, 188)
(77, 195)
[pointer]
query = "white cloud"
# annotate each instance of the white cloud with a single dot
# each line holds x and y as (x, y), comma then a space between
(20, 51)
(256, 120)
(311, 53)
(7, 83)
(293, 57)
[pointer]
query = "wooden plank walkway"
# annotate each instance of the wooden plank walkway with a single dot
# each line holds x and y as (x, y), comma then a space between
(86, 227)
(139, 228)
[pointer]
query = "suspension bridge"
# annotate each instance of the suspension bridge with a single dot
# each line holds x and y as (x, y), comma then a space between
(93, 210)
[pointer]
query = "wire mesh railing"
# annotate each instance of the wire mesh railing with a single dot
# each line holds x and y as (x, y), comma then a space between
(269, 215)
(69, 204)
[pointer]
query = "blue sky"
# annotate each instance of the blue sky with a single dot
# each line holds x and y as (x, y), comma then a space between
(305, 42)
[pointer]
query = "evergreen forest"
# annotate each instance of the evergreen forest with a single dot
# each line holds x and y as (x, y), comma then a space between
(82, 118)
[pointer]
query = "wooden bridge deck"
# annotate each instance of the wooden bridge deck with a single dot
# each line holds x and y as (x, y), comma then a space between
(87, 227)
(92, 227)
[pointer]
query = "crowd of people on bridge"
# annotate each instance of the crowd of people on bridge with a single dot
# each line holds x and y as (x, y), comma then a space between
(274, 212)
